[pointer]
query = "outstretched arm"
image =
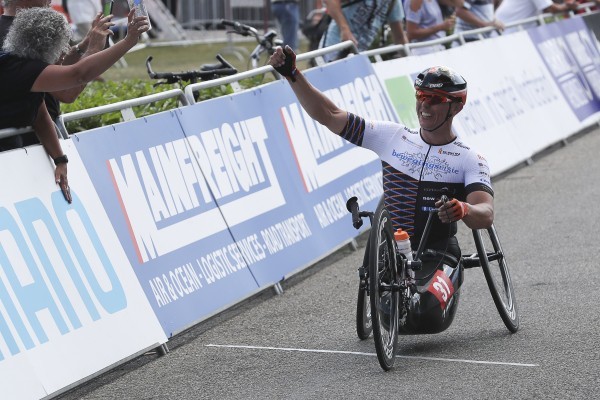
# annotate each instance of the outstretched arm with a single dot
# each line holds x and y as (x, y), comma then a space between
(568, 5)
(334, 9)
(58, 77)
(316, 104)
(94, 41)
(470, 18)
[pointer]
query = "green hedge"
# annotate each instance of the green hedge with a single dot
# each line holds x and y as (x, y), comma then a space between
(99, 93)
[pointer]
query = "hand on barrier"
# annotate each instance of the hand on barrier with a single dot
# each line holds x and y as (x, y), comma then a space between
(453, 210)
(284, 62)
(60, 176)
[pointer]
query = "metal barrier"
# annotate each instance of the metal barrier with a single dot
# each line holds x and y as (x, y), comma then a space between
(186, 97)
(480, 32)
(124, 107)
(205, 14)
(8, 132)
(233, 79)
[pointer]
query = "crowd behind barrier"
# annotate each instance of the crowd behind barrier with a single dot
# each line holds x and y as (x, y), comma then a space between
(182, 214)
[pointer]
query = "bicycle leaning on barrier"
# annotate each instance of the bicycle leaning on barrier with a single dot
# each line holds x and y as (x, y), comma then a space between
(205, 73)
(422, 169)
(266, 43)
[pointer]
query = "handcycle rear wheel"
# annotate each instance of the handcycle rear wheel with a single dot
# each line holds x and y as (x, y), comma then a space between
(383, 283)
(497, 275)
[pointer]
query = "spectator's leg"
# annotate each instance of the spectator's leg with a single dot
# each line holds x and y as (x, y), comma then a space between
(288, 15)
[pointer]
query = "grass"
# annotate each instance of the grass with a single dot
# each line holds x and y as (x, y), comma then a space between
(181, 58)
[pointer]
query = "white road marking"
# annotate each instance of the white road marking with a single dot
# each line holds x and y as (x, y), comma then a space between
(371, 354)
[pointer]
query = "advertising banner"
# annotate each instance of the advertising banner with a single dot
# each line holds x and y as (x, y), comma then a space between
(510, 95)
(70, 303)
(570, 51)
(151, 181)
(280, 179)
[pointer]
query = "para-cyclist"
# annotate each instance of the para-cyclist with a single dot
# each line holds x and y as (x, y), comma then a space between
(418, 164)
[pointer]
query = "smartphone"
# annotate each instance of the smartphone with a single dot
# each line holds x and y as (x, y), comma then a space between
(107, 7)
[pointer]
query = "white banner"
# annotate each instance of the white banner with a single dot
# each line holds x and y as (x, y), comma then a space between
(512, 103)
(70, 303)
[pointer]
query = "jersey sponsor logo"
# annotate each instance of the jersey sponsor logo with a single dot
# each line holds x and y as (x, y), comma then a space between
(441, 287)
(168, 191)
(410, 142)
(461, 145)
(448, 153)
(433, 168)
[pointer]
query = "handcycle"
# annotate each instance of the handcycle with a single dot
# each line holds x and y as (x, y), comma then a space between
(399, 296)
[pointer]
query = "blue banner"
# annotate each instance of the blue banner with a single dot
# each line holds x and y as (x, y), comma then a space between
(294, 212)
(570, 51)
(215, 201)
(148, 178)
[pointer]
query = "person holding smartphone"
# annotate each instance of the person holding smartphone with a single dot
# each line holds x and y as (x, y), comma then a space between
(36, 40)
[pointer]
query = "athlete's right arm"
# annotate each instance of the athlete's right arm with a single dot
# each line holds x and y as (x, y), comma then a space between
(316, 104)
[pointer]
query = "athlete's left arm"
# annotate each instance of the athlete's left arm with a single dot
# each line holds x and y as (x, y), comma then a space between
(480, 213)
(477, 211)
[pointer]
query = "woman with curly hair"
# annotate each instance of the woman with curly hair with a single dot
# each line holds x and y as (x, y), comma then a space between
(36, 41)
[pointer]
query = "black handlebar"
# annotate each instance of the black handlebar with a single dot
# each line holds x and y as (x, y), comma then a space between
(352, 206)
(239, 28)
(205, 73)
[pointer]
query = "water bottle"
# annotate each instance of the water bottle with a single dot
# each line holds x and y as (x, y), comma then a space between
(403, 242)
(140, 9)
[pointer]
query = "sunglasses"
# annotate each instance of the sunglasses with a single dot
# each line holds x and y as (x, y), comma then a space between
(433, 99)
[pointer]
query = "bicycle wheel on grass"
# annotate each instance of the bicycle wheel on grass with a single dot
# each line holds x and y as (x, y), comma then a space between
(383, 277)
(495, 268)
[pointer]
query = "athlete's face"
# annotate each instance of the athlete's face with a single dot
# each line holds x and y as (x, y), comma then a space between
(432, 108)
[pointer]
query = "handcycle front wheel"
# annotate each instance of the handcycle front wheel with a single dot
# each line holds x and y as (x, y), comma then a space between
(364, 325)
(383, 288)
(495, 268)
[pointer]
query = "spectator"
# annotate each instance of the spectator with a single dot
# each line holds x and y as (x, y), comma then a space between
(45, 132)
(36, 40)
(93, 42)
(315, 25)
(593, 8)
(361, 22)
(425, 22)
(511, 11)
(287, 13)
(82, 13)
(476, 14)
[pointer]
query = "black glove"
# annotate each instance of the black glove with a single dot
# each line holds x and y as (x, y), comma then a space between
(288, 69)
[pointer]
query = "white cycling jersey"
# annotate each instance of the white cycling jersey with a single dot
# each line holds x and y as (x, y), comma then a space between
(415, 172)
